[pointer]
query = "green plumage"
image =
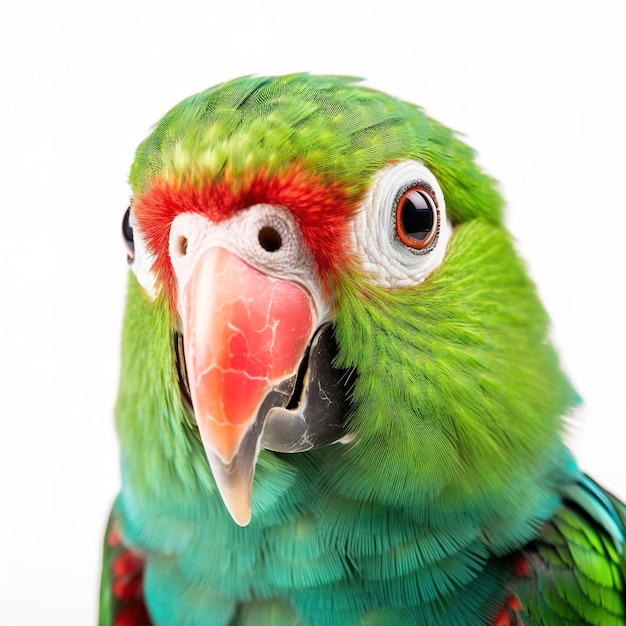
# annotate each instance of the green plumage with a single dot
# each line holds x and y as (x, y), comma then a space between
(579, 566)
(458, 469)
(339, 131)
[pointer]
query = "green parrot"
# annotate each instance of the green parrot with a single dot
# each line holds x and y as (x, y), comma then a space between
(338, 401)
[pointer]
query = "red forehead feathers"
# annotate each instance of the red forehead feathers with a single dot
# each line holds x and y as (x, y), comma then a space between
(321, 209)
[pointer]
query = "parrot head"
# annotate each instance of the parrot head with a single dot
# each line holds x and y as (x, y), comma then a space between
(319, 264)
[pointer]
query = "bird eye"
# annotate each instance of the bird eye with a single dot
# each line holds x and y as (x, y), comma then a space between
(401, 231)
(417, 218)
(127, 232)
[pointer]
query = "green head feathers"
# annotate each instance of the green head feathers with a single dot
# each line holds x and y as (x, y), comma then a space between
(338, 130)
(458, 403)
(287, 327)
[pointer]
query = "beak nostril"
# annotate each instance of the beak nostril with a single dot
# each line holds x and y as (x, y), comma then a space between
(182, 246)
(270, 239)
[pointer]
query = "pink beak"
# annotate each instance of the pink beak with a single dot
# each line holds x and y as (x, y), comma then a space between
(244, 332)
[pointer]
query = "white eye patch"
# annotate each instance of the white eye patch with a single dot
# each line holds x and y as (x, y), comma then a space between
(401, 231)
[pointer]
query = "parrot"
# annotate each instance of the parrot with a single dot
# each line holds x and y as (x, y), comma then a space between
(339, 403)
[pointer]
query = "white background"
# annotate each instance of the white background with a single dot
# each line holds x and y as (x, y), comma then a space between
(536, 87)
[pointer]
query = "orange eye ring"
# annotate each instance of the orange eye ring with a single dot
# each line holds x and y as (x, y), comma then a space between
(417, 218)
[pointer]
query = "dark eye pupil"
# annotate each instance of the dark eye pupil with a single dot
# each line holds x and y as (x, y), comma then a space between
(416, 216)
(127, 232)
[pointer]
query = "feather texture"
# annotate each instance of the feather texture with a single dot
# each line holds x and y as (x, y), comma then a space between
(456, 500)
